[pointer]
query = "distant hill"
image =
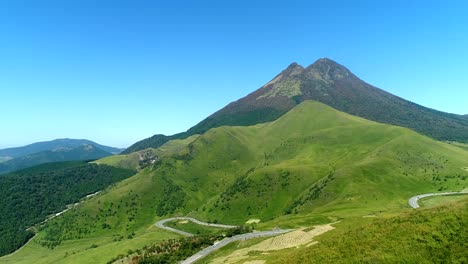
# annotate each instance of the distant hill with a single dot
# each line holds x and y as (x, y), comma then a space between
(52, 145)
(81, 152)
(330, 83)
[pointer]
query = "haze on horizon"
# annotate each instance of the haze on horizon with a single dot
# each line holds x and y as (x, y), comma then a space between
(118, 72)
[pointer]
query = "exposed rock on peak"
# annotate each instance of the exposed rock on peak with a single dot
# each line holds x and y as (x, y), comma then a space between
(327, 70)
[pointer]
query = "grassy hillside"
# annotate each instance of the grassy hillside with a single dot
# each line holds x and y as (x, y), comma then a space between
(314, 164)
(461, 145)
(433, 235)
(144, 158)
(438, 200)
(27, 197)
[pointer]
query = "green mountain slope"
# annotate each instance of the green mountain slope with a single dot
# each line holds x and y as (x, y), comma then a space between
(311, 165)
(52, 145)
(330, 83)
(28, 196)
(82, 152)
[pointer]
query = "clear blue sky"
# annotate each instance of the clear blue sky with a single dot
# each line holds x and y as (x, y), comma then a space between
(120, 71)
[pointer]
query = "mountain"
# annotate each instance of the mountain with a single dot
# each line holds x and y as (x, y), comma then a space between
(81, 152)
(314, 164)
(53, 145)
(330, 83)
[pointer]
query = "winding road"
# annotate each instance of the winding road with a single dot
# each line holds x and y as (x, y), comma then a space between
(206, 251)
(161, 223)
(413, 201)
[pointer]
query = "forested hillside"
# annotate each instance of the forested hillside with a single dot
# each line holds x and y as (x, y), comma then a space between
(27, 197)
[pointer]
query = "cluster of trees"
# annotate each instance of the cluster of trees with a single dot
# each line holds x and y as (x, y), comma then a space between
(27, 197)
(100, 217)
(172, 197)
(169, 251)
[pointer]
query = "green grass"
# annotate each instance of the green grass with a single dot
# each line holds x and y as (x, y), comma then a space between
(195, 229)
(432, 235)
(311, 166)
(439, 200)
(230, 248)
(91, 250)
(143, 158)
(459, 144)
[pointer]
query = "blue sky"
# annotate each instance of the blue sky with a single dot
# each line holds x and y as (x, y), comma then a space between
(120, 71)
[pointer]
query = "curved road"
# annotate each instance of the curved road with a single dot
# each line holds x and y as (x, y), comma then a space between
(206, 251)
(413, 201)
(161, 223)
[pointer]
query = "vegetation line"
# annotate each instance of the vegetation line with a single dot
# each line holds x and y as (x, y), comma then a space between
(68, 207)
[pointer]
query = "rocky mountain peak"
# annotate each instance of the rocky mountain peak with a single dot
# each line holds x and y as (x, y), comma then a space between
(327, 70)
